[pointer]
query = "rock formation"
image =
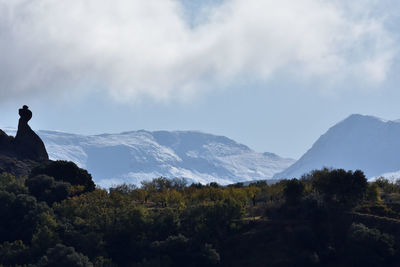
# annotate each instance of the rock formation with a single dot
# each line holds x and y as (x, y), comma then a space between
(26, 145)
(6, 142)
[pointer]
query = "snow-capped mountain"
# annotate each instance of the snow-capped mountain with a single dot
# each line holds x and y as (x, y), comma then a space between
(360, 142)
(134, 156)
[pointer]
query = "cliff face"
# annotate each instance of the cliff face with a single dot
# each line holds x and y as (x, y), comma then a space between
(18, 154)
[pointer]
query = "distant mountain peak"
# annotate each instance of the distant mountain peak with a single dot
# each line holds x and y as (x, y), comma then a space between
(354, 117)
(363, 142)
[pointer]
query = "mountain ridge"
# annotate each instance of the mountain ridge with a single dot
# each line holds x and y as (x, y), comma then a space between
(132, 156)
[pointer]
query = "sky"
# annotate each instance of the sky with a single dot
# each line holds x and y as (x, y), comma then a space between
(273, 75)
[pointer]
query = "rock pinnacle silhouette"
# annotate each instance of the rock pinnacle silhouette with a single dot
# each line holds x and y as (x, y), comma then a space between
(28, 144)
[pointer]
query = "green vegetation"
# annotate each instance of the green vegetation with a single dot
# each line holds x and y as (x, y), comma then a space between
(56, 217)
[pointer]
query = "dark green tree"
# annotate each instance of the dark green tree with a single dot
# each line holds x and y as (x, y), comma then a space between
(293, 191)
(339, 188)
(12, 253)
(45, 188)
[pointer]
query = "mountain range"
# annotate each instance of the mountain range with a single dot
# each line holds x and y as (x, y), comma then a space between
(360, 142)
(141, 155)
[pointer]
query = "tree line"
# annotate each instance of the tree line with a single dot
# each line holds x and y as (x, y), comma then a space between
(57, 216)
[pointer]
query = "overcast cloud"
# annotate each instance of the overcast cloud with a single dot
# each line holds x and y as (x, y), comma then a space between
(135, 48)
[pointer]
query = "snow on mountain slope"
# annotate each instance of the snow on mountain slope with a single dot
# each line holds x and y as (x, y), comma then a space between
(359, 142)
(134, 156)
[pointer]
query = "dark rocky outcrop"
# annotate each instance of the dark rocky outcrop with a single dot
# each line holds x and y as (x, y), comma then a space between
(27, 143)
(6, 142)
(26, 147)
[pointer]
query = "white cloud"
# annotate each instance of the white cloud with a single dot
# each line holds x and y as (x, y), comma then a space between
(145, 48)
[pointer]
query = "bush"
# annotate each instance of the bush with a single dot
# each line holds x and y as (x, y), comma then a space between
(65, 171)
(64, 256)
(369, 247)
(45, 188)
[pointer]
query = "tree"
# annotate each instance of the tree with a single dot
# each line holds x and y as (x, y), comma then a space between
(45, 235)
(209, 222)
(124, 188)
(179, 184)
(19, 216)
(373, 193)
(45, 188)
(140, 195)
(293, 191)
(253, 192)
(339, 188)
(157, 184)
(214, 184)
(12, 253)
(11, 184)
(341, 191)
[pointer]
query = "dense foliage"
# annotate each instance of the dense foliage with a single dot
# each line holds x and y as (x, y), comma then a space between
(56, 217)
